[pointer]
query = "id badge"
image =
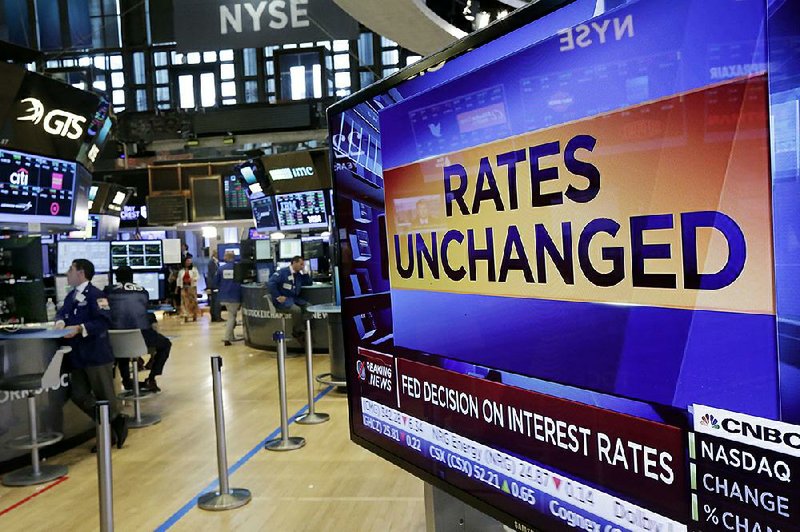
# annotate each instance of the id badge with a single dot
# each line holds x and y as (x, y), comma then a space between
(287, 286)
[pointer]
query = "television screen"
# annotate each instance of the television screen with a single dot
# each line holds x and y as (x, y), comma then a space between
(545, 244)
(264, 214)
(313, 249)
(254, 234)
(95, 251)
(290, 247)
(36, 189)
(236, 204)
(22, 257)
(138, 254)
(150, 282)
(302, 210)
(263, 250)
(23, 301)
(253, 179)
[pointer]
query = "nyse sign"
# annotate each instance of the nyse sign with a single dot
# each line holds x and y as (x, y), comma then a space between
(215, 24)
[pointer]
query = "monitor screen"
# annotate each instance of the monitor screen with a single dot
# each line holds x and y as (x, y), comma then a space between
(223, 248)
(264, 214)
(23, 301)
(263, 250)
(290, 247)
(97, 252)
(302, 210)
(554, 230)
(21, 257)
(254, 234)
(236, 202)
(150, 282)
(313, 249)
(138, 254)
(36, 189)
(100, 280)
(253, 179)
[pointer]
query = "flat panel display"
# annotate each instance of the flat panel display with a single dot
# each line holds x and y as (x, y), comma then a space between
(562, 252)
(302, 210)
(253, 178)
(290, 247)
(172, 251)
(138, 254)
(98, 252)
(263, 249)
(264, 214)
(150, 282)
(36, 189)
(236, 204)
(100, 280)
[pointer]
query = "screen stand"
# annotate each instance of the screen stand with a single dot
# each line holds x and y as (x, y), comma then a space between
(444, 513)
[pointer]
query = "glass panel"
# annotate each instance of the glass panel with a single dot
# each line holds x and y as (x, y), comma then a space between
(85, 61)
(229, 101)
(160, 58)
(342, 80)
(250, 65)
(250, 91)
(226, 71)
(392, 57)
(118, 97)
(208, 89)
(162, 94)
(341, 93)
(141, 100)
(316, 72)
(53, 64)
(367, 78)
(100, 62)
(365, 49)
(99, 85)
(411, 59)
(138, 68)
(209, 57)
(69, 63)
(228, 89)
(117, 80)
(116, 62)
(193, 58)
(387, 43)
(186, 87)
(341, 61)
(162, 77)
(226, 55)
(389, 71)
(177, 59)
(297, 80)
(341, 46)
(270, 68)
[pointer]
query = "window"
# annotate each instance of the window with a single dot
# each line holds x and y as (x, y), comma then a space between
(300, 74)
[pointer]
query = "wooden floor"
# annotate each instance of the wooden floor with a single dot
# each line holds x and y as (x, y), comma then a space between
(331, 484)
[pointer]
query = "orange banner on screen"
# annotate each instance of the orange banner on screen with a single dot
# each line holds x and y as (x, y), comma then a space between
(664, 204)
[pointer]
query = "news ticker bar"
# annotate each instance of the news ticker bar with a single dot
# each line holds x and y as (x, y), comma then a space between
(549, 493)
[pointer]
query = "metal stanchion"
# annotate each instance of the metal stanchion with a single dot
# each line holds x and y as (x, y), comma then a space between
(312, 417)
(104, 479)
(284, 443)
(226, 498)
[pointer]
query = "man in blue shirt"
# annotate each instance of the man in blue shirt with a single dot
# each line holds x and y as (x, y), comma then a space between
(230, 293)
(129, 302)
(87, 315)
(284, 288)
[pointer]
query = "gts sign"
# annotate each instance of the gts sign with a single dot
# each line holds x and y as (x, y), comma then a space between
(56, 122)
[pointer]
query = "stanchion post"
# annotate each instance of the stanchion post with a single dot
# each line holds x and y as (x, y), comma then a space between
(226, 498)
(312, 417)
(285, 442)
(105, 485)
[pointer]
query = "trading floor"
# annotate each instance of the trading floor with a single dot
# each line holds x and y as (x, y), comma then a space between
(330, 484)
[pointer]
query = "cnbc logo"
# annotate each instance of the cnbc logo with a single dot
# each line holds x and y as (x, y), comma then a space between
(709, 421)
(361, 368)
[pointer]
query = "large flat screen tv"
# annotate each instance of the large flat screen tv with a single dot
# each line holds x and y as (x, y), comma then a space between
(561, 250)
(302, 210)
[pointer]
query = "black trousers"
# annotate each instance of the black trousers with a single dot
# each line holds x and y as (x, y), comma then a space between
(92, 384)
(161, 344)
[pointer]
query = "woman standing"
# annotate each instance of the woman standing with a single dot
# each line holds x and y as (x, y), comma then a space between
(187, 285)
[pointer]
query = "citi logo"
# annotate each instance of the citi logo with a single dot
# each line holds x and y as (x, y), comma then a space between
(761, 432)
(57, 122)
(709, 421)
(20, 177)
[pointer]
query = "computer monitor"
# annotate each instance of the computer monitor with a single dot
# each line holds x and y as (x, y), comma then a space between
(150, 282)
(264, 215)
(314, 248)
(95, 251)
(263, 250)
(302, 210)
(138, 254)
(290, 247)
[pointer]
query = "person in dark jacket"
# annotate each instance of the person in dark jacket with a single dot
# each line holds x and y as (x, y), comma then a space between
(284, 288)
(87, 315)
(213, 288)
(128, 302)
(230, 293)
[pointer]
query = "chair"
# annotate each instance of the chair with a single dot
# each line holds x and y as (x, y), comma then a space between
(128, 344)
(36, 473)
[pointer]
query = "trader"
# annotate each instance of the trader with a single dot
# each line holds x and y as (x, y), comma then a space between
(87, 315)
(230, 293)
(128, 302)
(284, 289)
(213, 288)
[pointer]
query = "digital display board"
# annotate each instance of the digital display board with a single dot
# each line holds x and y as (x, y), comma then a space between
(290, 247)
(97, 252)
(264, 215)
(562, 240)
(253, 178)
(150, 282)
(301, 210)
(235, 196)
(36, 189)
(138, 254)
